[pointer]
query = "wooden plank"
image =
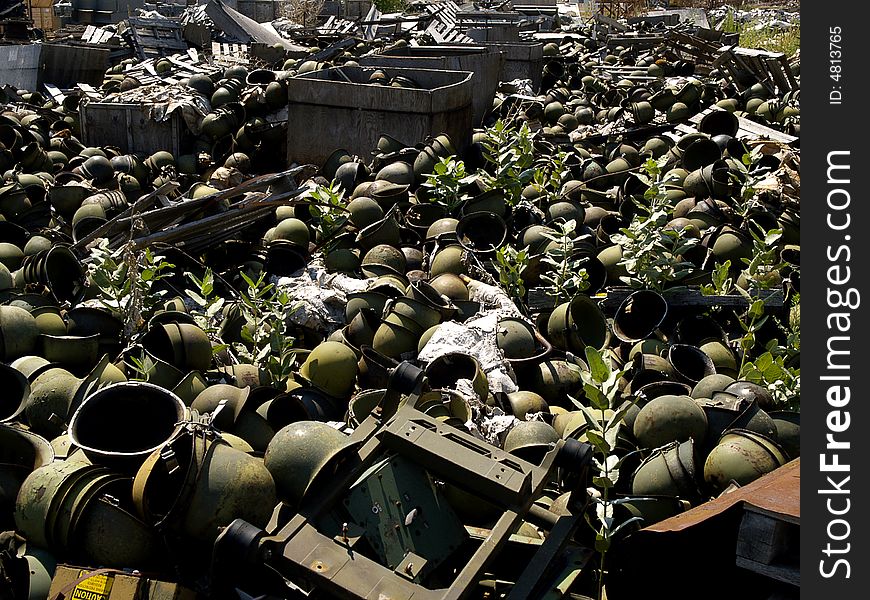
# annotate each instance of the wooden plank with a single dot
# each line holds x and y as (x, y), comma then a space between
(791, 575)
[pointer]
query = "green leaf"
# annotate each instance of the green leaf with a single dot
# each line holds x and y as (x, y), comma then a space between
(602, 482)
(598, 441)
(600, 370)
(602, 544)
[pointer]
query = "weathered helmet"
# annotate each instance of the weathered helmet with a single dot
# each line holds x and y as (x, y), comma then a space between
(294, 231)
(447, 260)
(515, 338)
(711, 384)
(670, 418)
(299, 453)
(524, 402)
(233, 397)
(742, 456)
(18, 332)
(383, 259)
(669, 471)
(530, 440)
(364, 211)
(331, 368)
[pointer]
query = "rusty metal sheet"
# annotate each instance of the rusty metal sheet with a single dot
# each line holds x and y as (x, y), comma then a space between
(776, 493)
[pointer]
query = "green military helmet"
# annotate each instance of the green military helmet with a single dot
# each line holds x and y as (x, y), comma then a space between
(51, 397)
(576, 324)
(364, 211)
(232, 484)
(293, 230)
(399, 172)
(11, 255)
(51, 323)
(425, 337)
(741, 456)
(515, 338)
(129, 186)
(788, 431)
(565, 211)
(530, 440)
(299, 453)
(551, 49)
(342, 260)
(234, 399)
(711, 384)
(722, 356)
(383, 259)
(160, 159)
(98, 168)
(238, 160)
(442, 227)
(238, 72)
(670, 418)
(524, 402)
(447, 260)
(554, 380)
(678, 112)
(643, 112)
(331, 368)
(6, 281)
(18, 332)
(750, 391)
(671, 470)
(553, 111)
(276, 95)
(307, 66)
(202, 84)
(450, 285)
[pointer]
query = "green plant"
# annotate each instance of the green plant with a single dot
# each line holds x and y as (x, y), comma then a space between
(207, 302)
(328, 209)
(722, 282)
(510, 154)
(604, 420)
(446, 182)
(551, 173)
(566, 276)
(772, 369)
(125, 281)
(765, 262)
(652, 254)
(391, 6)
(511, 264)
(265, 308)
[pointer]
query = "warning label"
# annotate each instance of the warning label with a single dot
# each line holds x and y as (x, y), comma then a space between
(97, 587)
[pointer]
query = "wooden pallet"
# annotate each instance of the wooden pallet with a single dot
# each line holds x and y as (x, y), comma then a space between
(690, 47)
(768, 544)
(154, 37)
(746, 66)
(748, 130)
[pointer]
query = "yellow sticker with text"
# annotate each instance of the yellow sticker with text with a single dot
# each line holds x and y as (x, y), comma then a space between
(97, 587)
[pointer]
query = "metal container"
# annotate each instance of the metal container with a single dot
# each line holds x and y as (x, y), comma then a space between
(485, 62)
(128, 127)
(522, 60)
(336, 107)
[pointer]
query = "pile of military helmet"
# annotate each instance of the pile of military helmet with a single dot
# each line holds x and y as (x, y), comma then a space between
(585, 95)
(131, 443)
